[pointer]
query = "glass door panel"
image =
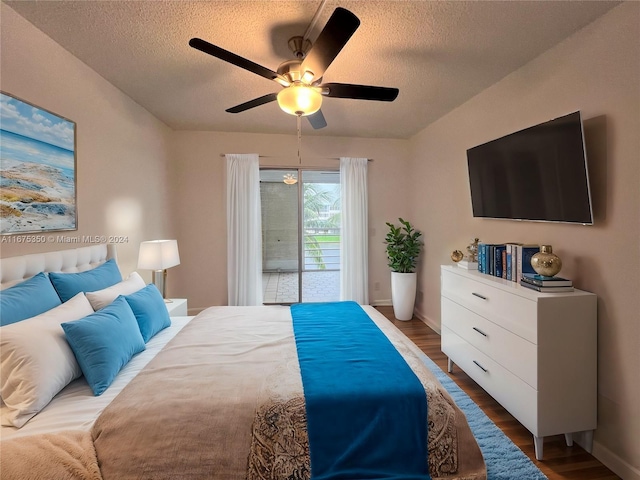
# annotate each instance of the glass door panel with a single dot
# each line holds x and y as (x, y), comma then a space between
(321, 236)
(280, 255)
(300, 235)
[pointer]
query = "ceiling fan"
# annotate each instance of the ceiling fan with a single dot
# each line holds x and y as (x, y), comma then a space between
(302, 78)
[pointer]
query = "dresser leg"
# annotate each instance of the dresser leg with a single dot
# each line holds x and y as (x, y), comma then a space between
(568, 437)
(588, 440)
(537, 443)
(449, 365)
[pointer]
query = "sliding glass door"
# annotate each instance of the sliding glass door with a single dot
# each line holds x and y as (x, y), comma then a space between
(300, 235)
(280, 229)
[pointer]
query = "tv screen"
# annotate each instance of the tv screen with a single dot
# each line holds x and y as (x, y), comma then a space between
(539, 173)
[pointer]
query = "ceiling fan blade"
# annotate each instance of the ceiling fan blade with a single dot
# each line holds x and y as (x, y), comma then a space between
(256, 102)
(333, 37)
(236, 60)
(359, 92)
(317, 120)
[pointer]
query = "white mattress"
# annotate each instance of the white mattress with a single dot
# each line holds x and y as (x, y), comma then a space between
(76, 408)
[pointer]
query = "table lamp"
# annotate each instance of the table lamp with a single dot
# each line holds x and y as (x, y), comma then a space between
(158, 255)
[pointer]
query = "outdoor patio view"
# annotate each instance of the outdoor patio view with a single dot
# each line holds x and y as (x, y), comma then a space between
(315, 246)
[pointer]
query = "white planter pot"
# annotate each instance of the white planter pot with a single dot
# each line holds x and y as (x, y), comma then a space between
(403, 294)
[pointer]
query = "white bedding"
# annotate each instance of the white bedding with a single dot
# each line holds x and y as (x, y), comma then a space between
(76, 408)
(243, 345)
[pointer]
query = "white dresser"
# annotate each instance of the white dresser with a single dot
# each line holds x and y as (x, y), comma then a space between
(535, 353)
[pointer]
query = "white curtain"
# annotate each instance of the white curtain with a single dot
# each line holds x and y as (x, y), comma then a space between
(354, 242)
(244, 230)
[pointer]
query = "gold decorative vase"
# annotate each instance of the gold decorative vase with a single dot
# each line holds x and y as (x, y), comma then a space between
(456, 255)
(545, 262)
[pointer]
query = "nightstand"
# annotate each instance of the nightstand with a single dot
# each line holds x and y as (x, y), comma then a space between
(177, 307)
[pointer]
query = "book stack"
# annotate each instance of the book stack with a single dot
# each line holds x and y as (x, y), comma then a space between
(506, 260)
(540, 283)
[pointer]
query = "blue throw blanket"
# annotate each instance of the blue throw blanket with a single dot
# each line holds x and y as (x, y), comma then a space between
(366, 409)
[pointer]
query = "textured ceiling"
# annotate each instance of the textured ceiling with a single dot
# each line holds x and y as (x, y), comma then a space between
(438, 53)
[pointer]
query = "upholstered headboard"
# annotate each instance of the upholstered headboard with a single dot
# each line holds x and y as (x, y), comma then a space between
(16, 269)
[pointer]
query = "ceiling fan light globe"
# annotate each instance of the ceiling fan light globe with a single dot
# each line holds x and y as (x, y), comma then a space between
(300, 100)
(289, 179)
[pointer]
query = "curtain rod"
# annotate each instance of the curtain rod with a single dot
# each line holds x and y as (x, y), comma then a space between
(310, 158)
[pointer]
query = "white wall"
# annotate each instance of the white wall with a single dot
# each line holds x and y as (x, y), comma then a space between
(122, 154)
(596, 71)
(199, 200)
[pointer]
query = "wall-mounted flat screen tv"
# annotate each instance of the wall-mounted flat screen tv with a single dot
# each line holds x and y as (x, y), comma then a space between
(539, 174)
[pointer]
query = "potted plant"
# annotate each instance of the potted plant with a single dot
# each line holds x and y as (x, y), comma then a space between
(403, 248)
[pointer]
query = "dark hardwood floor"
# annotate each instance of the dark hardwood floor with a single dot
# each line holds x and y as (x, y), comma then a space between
(560, 461)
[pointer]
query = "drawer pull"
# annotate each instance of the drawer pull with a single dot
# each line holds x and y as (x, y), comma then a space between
(480, 331)
(480, 367)
(478, 295)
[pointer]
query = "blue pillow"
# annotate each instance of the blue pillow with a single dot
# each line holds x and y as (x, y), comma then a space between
(27, 299)
(150, 311)
(104, 342)
(68, 285)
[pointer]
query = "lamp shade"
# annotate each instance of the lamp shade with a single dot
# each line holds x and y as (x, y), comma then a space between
(158, 255)
(299, 99)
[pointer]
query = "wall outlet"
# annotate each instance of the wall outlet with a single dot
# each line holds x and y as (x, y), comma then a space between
(376, 286)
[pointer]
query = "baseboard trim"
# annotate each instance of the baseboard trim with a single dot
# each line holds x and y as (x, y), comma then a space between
(383, 302)
(423, 318)
(427, 321)
(616, 464)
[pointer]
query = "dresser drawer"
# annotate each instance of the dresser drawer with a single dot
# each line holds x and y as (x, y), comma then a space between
(515, 395)
(512, 312)
(516, 354)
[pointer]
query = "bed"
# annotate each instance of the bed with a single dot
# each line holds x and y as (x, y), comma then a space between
(267, 392)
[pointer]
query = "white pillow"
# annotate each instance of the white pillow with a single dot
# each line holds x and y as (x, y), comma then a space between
(36, 361)
(101, 298)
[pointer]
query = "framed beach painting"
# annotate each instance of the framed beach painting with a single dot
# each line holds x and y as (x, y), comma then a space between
(37, 169)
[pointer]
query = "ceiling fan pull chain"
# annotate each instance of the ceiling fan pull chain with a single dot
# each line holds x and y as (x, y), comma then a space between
(299, 139)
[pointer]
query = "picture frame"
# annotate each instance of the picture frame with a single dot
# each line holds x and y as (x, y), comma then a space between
(38, 175)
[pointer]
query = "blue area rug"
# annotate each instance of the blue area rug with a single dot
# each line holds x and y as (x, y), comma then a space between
(504, 460)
